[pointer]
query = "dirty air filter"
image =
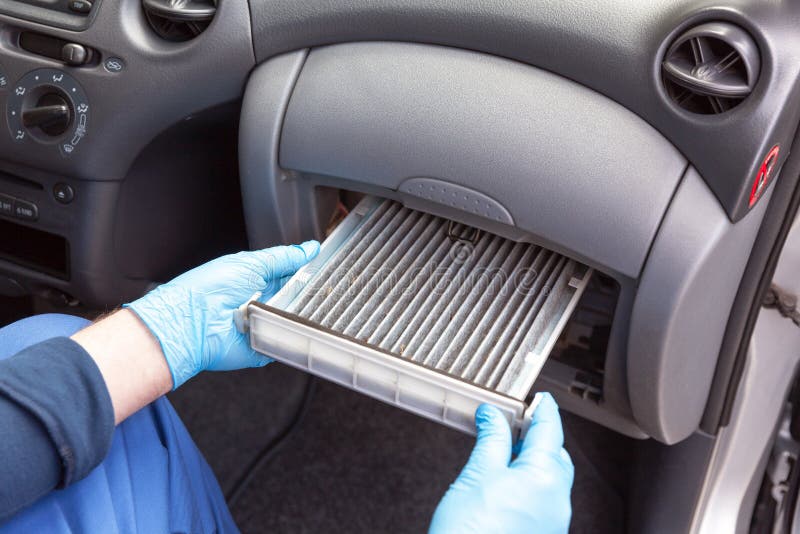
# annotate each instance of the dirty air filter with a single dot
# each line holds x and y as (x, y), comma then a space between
(429, 315)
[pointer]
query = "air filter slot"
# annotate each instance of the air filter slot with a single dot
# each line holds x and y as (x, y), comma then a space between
(426, 314)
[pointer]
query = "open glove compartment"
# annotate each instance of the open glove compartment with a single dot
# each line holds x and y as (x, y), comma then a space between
(526, 155)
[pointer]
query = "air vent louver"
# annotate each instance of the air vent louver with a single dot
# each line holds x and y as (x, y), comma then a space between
(179, 20)
(711, 68)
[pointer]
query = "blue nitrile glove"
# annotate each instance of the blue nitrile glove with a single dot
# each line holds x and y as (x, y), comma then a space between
(494, 494)
(192, 316)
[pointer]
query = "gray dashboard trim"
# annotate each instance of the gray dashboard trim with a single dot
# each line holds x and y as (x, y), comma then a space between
(264, 184)
(554, 154)
(610, 46)
(681, 309)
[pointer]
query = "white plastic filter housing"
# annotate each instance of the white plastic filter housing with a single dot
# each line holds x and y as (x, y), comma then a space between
(430, 316)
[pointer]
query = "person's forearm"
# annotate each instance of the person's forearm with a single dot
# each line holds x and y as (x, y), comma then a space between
(129, 358)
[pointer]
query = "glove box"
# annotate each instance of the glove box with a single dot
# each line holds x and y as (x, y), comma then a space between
(428, 315)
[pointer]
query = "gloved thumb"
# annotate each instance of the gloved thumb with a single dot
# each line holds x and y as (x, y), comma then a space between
(492, 449)
(279, 262)
(545, 435)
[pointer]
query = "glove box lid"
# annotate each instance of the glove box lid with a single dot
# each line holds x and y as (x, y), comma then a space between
(431, 316)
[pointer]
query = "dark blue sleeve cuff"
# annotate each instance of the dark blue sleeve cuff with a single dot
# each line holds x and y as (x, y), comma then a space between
(56, 420)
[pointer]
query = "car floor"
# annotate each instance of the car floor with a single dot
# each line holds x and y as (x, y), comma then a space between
(353, 464)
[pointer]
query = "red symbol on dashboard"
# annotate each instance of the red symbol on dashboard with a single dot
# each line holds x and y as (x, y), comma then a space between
(764, 174)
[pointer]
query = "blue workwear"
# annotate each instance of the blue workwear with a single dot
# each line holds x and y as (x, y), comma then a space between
(56, 420)
(192, 316)
(153, 478)
(495, 494)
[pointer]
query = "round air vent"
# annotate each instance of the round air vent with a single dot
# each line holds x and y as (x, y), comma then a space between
(179, 20)
(711, 68)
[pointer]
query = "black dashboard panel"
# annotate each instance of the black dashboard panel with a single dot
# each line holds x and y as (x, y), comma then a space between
(67, 14)
(157, 84)
(613, 47)
(118, 106)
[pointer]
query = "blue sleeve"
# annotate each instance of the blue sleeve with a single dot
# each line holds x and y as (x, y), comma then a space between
(56, 421)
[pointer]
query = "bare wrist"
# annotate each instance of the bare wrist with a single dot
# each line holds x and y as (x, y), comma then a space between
(129, 358)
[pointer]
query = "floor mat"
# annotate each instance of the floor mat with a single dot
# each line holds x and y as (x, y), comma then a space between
(358, 465)
(233, 415)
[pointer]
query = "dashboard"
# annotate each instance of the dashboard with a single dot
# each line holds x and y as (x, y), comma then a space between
(643, 139)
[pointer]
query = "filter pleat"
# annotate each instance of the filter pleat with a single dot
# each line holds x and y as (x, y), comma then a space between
(347, 276)
(506, 321)
(397, 246)
(469, 346)
(417, 323)
(447, 304)
(511, 349)
(390, 327)
(344, 259)
(485, 287)
(473, 305)
(376, 305)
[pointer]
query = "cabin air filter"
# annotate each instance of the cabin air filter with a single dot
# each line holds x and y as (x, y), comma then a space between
(432, 316)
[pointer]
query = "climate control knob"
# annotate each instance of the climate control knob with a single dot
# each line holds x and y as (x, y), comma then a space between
(52, 114)
(50, 108)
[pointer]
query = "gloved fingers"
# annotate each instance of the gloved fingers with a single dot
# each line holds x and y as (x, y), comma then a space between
(492, 449)
(566, 462)
(238, 355)
(545, 433)
(272, 287)
(244, 360)
(547, 468)
(278, 262)
(283, 281)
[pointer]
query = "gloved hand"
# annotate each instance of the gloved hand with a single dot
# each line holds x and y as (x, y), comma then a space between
(192, 316)
(494, 494)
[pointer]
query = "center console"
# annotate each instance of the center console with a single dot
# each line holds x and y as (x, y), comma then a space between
(110, 131)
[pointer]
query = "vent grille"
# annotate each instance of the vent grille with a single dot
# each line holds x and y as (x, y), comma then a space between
(476, 306)
(711, 68)
(179, 20)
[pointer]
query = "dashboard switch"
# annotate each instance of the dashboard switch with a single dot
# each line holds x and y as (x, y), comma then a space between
(27, 211)
(6, 205)
(80, 6)
(63, 193)
(75, 55)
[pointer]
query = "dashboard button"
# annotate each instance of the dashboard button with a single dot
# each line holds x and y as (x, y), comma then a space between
(25, 210)
(75, 55)
(63, 193)
(80, 6)
(6, 205)
(114, 65)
